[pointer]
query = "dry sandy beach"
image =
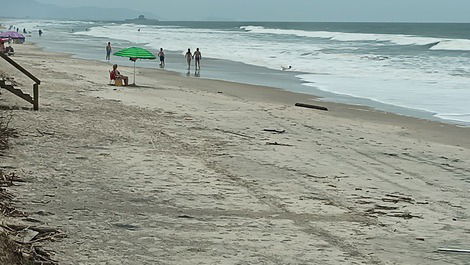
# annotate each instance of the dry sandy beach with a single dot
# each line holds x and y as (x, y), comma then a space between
(182, 171)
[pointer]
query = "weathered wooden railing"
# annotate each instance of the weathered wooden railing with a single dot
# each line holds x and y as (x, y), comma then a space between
(3, 84)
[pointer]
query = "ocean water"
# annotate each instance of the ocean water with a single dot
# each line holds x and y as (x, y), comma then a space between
(422, 67)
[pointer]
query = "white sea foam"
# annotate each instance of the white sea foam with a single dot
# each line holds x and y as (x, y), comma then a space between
(223, 44)
(452, 45)
(416, 82)
(399, 39)
(455, 117)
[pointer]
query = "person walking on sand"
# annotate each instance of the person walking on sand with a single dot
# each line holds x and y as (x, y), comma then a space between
(197, 59)
(108, 51)
(161, 54)
(189, 57)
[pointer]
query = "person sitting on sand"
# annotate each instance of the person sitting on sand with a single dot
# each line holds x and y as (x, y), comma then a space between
(9, 51)
(116, 75)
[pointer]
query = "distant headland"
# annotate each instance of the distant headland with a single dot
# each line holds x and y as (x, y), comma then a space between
(142, 20)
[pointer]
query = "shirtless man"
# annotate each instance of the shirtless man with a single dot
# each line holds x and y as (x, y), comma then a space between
(108, 51)
(197, 59)
(161, 54)
(189, 57)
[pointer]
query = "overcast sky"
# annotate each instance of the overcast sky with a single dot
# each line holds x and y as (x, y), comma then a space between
(294, 10)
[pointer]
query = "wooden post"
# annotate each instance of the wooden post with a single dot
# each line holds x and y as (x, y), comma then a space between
(36, 97)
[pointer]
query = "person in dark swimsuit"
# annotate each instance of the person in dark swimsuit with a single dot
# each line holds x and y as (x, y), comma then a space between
(108, 51)
(197, 59)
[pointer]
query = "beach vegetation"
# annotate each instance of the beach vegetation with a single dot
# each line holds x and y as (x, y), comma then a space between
(6, 132)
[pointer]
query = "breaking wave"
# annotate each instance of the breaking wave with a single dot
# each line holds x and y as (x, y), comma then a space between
(398, 39)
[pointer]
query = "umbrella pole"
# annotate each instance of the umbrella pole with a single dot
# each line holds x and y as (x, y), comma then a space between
(134, 73)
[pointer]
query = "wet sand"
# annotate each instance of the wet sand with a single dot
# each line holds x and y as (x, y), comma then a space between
(182, 171)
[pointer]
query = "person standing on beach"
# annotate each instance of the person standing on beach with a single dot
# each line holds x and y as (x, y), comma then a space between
(2, 46)
(189, 57)
(197, 59)
(161, 54)
(108, 51)
(40, 33)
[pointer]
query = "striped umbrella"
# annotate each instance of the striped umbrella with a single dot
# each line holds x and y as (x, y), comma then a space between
(12, 35)
(15, 36)
(135, 53)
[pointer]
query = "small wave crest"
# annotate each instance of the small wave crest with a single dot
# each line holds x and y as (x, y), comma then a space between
(455, 117)
(452, 45)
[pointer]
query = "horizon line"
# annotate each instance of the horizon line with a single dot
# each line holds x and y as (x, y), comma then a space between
(254, 21)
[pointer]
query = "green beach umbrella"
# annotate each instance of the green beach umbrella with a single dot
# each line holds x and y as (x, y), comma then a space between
(135, 53)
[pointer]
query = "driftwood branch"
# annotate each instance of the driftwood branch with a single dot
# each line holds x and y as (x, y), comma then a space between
(235, 133)
(310, 106)
(467, 251)
(274, 130)
(276, 143)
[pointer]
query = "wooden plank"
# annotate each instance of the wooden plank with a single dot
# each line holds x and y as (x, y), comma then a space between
(19, 93)
(19, 67)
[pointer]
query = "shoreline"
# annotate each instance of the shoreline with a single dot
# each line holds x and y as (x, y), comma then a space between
(287, 83)
(186, 170)
(300, 88)
(427, 129)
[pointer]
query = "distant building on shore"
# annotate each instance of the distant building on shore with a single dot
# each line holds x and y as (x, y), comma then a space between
(142, 20)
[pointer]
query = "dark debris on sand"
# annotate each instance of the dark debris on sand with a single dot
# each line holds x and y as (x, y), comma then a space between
(6, 132)
(19, 244)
